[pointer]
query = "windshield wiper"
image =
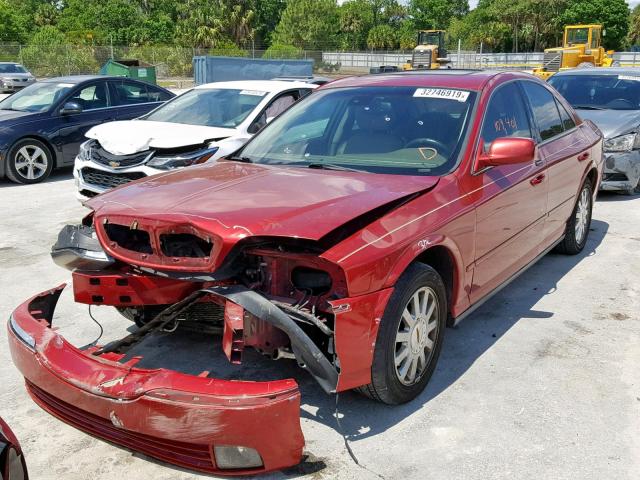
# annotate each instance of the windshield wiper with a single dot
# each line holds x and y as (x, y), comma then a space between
(333, 166)
(588, 107)
(240, 159)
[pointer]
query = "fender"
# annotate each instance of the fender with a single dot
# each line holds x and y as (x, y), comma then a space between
(461, 281)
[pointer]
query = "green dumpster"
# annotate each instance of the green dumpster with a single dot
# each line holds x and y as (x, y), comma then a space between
(130, 68)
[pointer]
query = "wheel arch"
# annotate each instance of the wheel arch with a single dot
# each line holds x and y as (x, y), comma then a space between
(44, 140)
(444, 257)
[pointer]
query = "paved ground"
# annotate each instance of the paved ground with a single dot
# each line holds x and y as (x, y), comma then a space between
(542, 382)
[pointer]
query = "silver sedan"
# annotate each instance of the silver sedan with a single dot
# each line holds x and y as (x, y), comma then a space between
(14, 77)
(610, 98)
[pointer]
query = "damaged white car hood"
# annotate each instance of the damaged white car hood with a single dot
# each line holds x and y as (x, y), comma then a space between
(132, 136)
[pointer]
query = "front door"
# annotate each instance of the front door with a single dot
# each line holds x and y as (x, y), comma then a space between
(96, 108)
(511, 199)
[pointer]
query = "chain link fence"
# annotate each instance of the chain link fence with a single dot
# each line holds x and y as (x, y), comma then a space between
(175, 62)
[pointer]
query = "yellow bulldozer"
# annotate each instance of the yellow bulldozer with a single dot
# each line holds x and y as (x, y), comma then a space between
(430, 51)
(581, 48)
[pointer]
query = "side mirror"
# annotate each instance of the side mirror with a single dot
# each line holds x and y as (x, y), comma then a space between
(270, 119)
(70, 108)
(507, 151)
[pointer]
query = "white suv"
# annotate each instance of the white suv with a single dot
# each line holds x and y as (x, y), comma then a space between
(203, 124)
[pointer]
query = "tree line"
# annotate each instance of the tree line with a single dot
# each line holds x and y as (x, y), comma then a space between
(287, 26)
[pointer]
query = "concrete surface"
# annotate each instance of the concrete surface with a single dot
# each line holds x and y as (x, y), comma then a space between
(542, 382)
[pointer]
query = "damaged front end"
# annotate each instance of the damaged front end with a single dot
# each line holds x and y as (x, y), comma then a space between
(278, 298)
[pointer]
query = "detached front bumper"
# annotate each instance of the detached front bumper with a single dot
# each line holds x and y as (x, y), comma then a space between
(197, 422)
(621, 171)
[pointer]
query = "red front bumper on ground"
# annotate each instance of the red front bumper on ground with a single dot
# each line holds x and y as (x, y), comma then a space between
(181, 419)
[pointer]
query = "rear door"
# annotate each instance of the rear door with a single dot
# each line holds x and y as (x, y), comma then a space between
(97, 108)
(134, 99)
(564, 149)
(511, 199)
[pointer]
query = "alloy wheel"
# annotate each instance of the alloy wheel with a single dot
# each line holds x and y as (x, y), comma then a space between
(582, 216)
(31, 162)
(417, 332)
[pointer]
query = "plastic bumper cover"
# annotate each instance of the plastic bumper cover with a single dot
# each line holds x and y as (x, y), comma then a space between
(201, 423)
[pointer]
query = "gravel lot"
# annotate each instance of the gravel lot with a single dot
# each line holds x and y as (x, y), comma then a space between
(542, 382)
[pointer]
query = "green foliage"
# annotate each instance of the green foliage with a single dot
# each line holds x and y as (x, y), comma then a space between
(49, 54)
(308, 24)
(436, 14)
(612, 14)
(356, 19)
(278, 50)
(267, 16)
(12, 25)
(382, 37)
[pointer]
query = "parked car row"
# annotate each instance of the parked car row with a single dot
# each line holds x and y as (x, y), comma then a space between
(346, 234)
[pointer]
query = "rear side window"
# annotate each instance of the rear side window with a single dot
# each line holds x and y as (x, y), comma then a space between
(567, 120)
(545, 110)
(131, 93)
(506, 115)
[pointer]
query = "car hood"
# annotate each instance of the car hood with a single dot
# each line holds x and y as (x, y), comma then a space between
(16, 75)
(234, 200)
(612, 123)
(132, 136)
(13, 115)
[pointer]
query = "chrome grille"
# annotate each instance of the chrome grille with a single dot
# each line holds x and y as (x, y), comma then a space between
(107, 179)
(552, 61)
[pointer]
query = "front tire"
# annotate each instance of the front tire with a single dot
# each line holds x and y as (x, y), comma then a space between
(29, 161)
(577, 231)
(409, 337)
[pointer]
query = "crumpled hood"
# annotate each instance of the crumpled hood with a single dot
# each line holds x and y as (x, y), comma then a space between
(612, 123)
(234, 200)
(132, 136)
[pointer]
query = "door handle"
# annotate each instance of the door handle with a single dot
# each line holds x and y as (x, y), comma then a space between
(583, 156)
(537, 180)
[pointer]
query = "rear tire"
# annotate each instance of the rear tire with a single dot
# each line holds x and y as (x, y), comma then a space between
(409, 337)
(577, 231)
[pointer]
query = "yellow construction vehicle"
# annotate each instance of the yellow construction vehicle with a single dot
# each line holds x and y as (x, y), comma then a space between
(430, 52)
(581, 48)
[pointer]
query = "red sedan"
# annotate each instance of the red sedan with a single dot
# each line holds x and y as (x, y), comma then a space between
(346, 235)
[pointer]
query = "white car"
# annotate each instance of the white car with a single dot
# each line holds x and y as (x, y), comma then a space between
(203, 124)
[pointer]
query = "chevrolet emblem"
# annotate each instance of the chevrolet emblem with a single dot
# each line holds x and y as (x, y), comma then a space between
(114, 164)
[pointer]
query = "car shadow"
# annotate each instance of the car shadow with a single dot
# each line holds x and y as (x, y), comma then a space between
(58, 175)
(612, 196)
(361, 417)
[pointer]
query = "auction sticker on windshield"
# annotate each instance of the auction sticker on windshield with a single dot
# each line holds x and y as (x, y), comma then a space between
(449, 94)
(256, 93)
(629, 77)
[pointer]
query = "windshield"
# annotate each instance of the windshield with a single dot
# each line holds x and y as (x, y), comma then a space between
(37, 97)
(430, 38)
(212, 107)
(398, 130)
(614, 92)
(577, 35)
(12, 68)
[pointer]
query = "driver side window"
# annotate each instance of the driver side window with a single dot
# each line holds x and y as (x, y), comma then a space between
(506, 115)
(275, 108)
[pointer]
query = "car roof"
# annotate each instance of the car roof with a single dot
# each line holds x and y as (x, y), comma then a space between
(75, 79)
(261, 85)
(600, 71)
(449, 78)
